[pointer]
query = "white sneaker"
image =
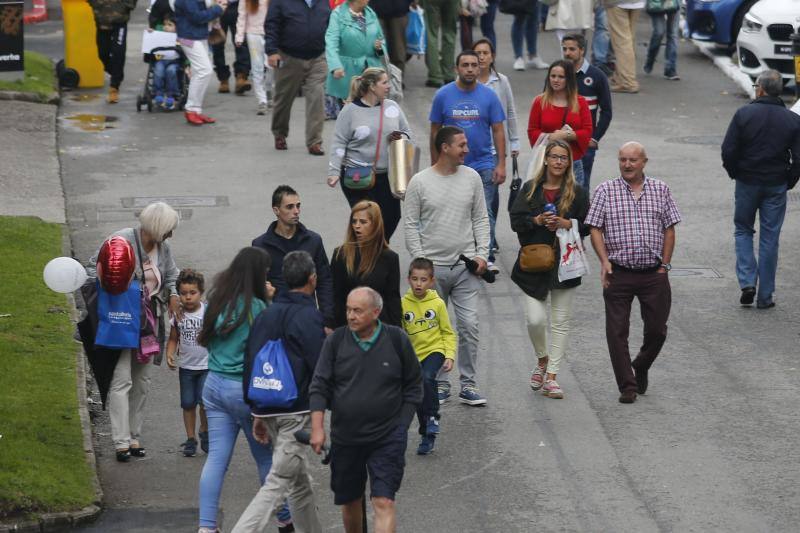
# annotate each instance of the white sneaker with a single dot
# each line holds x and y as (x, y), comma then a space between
(491, 267)
(519, 64)
(535, 62)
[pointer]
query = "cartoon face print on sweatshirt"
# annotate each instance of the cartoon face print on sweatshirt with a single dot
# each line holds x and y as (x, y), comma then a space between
(417, 324)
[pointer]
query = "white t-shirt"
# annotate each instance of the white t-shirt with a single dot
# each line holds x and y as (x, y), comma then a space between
(191, 355)
(638, 4)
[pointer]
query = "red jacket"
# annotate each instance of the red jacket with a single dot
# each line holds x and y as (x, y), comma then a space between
(551, 119)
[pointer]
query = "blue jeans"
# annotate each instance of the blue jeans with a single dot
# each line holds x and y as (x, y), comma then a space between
(664, 23)
(165, 78)
(577, 169)
(770, 202)
(587, 162)
(526, 26)
(487, 22)
(601, 40)
(430, 367)
(490, 191)
(227, 414)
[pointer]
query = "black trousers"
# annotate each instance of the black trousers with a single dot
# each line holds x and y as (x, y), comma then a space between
(241, 64)
(111, 46)
(381, 194)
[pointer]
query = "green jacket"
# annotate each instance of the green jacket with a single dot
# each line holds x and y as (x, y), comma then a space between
(349, 48)
(108, 12)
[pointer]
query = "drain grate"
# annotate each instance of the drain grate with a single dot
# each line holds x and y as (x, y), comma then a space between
(694, 272)
(175, 201)
(709, 140)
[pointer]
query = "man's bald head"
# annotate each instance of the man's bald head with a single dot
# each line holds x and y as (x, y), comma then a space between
(636, 147)
(632, 159)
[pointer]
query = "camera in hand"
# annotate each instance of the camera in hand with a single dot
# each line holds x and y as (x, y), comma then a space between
(472, 266)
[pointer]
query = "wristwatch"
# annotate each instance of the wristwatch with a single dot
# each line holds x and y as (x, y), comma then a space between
(666, 266)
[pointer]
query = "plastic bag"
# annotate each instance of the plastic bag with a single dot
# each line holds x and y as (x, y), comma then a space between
(416, 40)
(572, 259)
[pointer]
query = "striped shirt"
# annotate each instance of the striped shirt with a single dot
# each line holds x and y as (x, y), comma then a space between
(633, 229)
(445, 216)
(593, 86)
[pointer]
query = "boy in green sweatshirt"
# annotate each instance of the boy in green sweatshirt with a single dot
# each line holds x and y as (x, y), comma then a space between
(426, 322)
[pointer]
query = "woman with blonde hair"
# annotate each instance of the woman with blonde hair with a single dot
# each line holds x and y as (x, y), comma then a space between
(554, 183)
(360, 147)
(365, 260)
(562, 114)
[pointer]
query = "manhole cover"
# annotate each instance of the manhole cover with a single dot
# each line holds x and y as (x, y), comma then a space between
(710, 140)
(176, 201)
(694, 272)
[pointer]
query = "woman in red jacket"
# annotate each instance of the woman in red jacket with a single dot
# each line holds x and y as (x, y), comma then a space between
(562, 113)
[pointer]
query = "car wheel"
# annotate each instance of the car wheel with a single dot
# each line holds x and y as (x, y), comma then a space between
(738, 19)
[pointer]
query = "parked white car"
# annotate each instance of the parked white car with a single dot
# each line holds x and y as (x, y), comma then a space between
(764, 41)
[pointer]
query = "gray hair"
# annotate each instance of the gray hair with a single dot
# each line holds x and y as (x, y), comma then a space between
(770, 82)
(374, 296)
(298, 267)
(637, 145)
(158, 219)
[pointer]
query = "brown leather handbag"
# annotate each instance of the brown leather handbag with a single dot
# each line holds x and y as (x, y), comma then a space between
(537, 257)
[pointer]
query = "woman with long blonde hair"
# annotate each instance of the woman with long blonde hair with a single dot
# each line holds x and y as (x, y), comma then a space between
(554, 183)
(365, 260)
(562, 114)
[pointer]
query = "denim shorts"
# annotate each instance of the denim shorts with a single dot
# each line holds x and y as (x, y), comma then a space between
(191, 382)
(384, 460)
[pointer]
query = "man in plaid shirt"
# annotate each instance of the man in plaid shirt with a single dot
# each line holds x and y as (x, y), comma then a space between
(633, 221)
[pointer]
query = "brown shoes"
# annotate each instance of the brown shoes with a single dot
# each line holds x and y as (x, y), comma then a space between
(242, 83)
(280, 143)
(316, 149)
(628, 396)
(621, 89)
(113, 95)
(224, 87)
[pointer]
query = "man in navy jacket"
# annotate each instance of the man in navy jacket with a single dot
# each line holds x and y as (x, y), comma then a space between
(293, 317)
(761, 151)
(295, 46)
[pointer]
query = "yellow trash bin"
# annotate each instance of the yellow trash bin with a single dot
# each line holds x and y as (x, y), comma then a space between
(80, 45)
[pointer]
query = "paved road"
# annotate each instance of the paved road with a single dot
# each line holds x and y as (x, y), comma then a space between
(711, 447)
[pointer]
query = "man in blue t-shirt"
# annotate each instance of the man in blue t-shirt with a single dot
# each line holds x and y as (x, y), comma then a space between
(474, 108)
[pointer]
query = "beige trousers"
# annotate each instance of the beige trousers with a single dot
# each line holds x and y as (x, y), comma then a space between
(293, 74)
(536, 316)
(287, 477)
(622, 27)
(126, 400)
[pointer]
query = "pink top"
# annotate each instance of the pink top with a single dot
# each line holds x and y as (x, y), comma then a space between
(250, 22)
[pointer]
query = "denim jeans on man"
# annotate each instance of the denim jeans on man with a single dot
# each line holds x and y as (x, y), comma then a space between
(487, 22)
(490, 192)
(165, 78)
(577, 169)
(587, 162)
(430, 400)
(601, 41)
(227, 413)
(770, 202)
(527, 26)
(664, 23)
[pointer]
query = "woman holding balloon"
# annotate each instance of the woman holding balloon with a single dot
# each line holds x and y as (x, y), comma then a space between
(141, 254)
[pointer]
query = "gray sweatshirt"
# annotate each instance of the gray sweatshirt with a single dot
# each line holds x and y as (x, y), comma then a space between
(355, 137)
(446, 216)
(502, 88)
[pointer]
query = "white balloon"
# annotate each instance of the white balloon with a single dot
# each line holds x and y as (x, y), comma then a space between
(64, 274)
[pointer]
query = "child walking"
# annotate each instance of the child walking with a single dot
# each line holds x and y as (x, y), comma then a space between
(427, 324)
(250, 27)
(193, 358)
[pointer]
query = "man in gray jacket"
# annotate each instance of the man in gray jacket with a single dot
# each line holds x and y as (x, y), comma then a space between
(445, 217)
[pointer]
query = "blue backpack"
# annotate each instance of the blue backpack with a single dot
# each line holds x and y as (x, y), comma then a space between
(272, 381)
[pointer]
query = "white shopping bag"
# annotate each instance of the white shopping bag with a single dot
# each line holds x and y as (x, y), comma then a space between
(572, 261)
(537, 156)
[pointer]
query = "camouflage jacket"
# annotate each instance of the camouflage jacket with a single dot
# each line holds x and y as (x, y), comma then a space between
(108, 12)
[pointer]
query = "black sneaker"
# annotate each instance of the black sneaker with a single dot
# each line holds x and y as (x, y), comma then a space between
(671, 75)
(433, 84)
(204, 441)
(748, 296)
(190, 448)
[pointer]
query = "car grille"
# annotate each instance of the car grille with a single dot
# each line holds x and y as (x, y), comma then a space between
(780, 32)
(784, 66)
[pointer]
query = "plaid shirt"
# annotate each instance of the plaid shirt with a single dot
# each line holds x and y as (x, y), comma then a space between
(633, 229)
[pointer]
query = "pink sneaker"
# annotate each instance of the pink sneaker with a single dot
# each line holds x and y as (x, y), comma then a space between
(551, 389)
(537, 378)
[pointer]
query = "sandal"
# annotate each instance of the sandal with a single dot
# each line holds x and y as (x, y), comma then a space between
(137, 452)
(123, 456)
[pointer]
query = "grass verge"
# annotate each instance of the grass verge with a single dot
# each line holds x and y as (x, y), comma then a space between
(42, 463)
(40, 77)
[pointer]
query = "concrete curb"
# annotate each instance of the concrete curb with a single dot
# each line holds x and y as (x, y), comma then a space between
(37, 14)
(53, 99)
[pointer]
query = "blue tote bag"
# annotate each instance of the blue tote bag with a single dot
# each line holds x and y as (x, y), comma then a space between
(272, 380)
(416, 38)
(119, 317)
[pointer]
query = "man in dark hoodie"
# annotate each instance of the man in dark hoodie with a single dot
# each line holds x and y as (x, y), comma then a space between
(286, 235)
(294, 318)
(370, 378)
(111, 18)
(761, 151)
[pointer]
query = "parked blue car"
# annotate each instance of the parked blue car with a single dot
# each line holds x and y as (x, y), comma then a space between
(717, 21)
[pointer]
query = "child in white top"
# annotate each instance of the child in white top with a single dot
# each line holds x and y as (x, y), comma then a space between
(250, 28)
(193, 358)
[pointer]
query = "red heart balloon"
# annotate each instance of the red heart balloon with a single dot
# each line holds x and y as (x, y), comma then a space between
(115, 265)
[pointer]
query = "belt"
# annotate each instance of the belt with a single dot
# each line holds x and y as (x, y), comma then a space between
(645, 270)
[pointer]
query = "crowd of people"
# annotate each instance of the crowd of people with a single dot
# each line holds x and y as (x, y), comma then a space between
(353, 345)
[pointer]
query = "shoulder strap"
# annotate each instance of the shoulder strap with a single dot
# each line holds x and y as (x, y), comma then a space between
(566, 112)
(140, 252)
(380, 134)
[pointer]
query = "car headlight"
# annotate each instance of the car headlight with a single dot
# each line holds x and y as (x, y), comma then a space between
(750, 24)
